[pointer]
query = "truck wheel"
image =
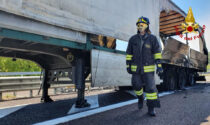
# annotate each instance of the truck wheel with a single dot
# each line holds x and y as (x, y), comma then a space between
(171, 80)
(191, 79)
(182, 80)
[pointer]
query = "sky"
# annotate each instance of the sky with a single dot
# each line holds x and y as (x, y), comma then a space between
(201, 12)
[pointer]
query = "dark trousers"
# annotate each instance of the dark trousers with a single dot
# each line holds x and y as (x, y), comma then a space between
(146, 80)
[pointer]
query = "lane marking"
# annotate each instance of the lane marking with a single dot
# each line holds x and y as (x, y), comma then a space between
(131, 92)
(86, 113)
(165, 93)
(15, 106)
(92, 112)
(92, 100)
(7, 111)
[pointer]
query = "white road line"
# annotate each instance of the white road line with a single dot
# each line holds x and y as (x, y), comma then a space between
(165, 93)
(7, 111)
(4, 111)
(131, 92)
(16, 106)
(92, 112)
(85, 114)
(92, 100)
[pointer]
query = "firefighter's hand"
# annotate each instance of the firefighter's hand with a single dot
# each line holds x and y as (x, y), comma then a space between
(129, 70)
(159, 71)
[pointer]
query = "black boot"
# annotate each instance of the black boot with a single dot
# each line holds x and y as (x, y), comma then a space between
(140, 101)
(151, 111)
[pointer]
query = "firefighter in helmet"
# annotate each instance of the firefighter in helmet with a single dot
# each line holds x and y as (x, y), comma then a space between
(143, 56)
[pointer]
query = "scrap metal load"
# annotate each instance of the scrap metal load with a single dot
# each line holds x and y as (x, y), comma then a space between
(180, 54)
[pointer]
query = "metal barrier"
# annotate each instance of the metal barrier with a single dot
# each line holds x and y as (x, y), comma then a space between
(18, 73)
(29, 83)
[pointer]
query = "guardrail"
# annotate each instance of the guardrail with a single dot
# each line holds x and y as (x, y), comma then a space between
(30, 83)
(18, 73)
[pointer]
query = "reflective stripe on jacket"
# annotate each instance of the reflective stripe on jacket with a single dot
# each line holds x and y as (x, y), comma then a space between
(141, 53)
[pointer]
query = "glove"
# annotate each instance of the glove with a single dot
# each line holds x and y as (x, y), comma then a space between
(159, 71)
(129, 69)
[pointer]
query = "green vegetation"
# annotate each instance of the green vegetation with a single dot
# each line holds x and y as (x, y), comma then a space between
(208, 66)
(20, 65)
(209, 57)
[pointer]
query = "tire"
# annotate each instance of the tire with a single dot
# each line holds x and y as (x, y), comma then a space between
(182, 79)
(191, 79)
(171, 80)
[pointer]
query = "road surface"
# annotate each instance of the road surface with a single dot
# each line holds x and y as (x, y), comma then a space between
(189, 107)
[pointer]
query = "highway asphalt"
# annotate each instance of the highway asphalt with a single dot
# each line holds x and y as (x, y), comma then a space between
(189, 107)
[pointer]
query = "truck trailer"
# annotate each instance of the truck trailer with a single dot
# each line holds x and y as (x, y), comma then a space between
(61, 36)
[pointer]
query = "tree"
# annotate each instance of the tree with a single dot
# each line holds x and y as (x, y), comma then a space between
(20, 65)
